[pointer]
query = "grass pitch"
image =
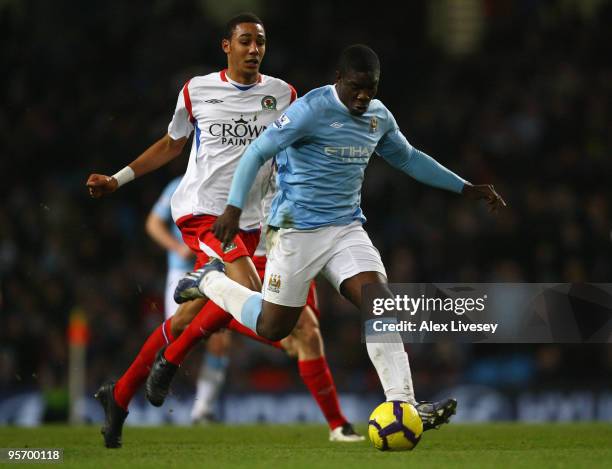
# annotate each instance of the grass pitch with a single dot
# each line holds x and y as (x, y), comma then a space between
(306, 446)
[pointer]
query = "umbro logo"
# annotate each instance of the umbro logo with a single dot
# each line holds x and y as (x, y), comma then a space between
(336, 125)
(213, 101)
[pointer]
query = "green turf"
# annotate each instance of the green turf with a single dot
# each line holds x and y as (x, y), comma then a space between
(306, 446)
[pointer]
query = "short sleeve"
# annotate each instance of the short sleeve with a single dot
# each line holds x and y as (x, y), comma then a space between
(182, 122)
(294, 124)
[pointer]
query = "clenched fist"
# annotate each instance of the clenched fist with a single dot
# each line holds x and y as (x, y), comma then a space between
(100, 184)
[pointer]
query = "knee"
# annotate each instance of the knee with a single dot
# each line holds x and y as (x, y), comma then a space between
(308, 337)
(178, 325)
(290, 346)
(276, 322)
(273, 331)
(218, 344)
(182, 318)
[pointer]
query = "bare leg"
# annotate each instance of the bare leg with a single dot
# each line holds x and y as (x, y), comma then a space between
(305, 341)
(276, 321)
(241, 270)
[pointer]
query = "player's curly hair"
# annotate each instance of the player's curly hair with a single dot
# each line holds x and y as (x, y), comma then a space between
(236, 20)
(358, 58)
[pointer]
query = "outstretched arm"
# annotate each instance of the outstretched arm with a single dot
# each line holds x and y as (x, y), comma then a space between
(425, 169)
(157, 155)
(258, 152)
(396, 150)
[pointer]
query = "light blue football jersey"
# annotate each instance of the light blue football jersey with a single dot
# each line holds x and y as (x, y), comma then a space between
(162, 210)
(322, 152)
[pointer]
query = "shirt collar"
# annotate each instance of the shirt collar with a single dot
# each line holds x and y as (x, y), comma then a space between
(335, 93)
(240, 86)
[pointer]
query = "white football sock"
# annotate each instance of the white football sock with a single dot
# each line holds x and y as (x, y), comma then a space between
(203, 402)
(239, 301)
(211, 378)
(391, 362)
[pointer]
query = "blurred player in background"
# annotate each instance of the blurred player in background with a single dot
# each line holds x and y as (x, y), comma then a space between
(225, 111)
(163, 231)
(323, 144)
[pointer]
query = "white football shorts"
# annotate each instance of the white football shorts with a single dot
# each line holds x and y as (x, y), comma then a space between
(296, 257)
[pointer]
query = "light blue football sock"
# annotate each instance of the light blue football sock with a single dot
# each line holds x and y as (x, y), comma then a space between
(251, 309)
(216, 362)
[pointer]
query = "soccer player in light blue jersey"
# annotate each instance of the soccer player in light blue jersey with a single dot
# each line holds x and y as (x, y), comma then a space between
(322, 144)
(162, 229)
(220, 109)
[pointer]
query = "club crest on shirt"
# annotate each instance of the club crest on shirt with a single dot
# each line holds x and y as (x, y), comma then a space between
(229, 247)
(281, 121)
(268, 103)
(373, 125)
(274, 283)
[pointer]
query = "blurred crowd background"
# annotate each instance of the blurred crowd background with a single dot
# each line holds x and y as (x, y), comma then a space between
(515, 93)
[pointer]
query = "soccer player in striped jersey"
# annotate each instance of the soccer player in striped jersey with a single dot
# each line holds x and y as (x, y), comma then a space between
(323, 144)
(226, 111)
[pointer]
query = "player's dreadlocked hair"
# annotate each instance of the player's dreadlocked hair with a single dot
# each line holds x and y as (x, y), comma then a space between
(236, 20)
(358, 58)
